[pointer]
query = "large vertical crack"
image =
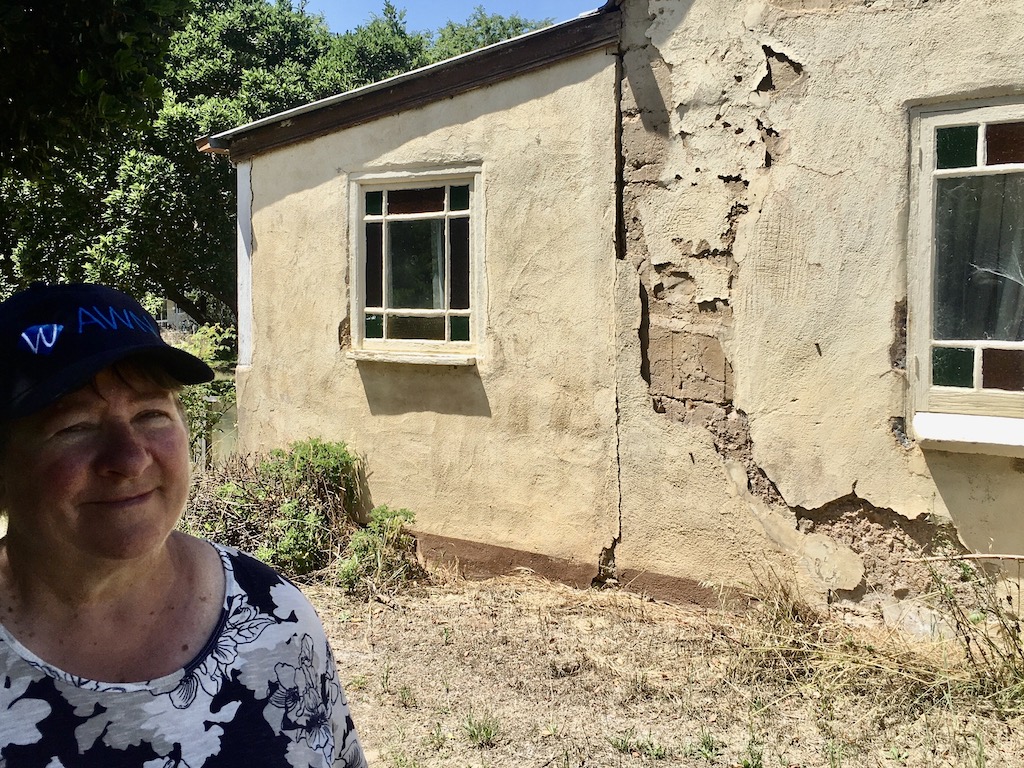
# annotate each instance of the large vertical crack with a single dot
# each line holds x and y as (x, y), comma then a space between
(606, 568)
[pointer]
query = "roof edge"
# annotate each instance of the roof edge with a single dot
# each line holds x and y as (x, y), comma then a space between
(485, 66)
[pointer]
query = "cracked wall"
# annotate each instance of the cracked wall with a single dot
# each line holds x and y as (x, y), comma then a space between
(765, 205)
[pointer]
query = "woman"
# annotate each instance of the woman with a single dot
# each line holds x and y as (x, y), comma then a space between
(122, 641)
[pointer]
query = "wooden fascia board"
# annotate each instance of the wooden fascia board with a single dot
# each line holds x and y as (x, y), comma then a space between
(501, 62)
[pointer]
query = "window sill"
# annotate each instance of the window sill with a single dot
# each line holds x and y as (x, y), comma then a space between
(962, 433)
(409, 358)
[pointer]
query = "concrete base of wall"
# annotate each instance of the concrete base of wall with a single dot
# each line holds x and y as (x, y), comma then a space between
(474, 560)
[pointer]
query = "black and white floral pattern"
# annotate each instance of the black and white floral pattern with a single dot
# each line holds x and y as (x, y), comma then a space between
(263, 693)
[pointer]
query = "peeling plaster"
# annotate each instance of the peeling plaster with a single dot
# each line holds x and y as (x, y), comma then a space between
(831, 565)
(762, 292)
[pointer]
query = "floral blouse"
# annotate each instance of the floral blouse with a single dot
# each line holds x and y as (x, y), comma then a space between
(263, 693)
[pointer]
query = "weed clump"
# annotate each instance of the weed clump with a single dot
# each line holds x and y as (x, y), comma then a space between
(791, 645)
(298, 510)
(378, 558)
(481, 731)
(984, 618)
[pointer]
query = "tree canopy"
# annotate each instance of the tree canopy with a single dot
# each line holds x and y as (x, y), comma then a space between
(69, 70)
(134, 205)
(479, 30)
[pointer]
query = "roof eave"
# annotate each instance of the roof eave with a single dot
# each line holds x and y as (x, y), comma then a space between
(445, 79)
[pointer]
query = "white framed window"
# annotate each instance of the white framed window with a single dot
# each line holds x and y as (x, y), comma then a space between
(417, 267)
(967, 274)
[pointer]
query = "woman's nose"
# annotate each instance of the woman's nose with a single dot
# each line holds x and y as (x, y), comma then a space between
(124, 452)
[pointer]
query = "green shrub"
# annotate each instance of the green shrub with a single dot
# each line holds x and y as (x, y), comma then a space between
(381, 556)
(296, 510)
(293, 509)
(327, 472)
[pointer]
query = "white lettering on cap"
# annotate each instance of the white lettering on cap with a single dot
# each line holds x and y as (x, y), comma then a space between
(41, 338)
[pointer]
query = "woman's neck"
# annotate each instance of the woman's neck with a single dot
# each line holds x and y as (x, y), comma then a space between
(136, 621)
(52, 579)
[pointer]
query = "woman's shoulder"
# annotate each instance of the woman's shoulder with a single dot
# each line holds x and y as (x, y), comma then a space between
(256, 584)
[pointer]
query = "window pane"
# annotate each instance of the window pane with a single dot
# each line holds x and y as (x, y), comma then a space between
(374, 327)
(459, 198)
(427, 328)
(979, 256)
(956, 147)
(374, 203)
(1002, 369)
(460, 328)
(374, 275)
(458, 232)
(416, 200)
(416, 261)
(1004, 143)
(952, 367)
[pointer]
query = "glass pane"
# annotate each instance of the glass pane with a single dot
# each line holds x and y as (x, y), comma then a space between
(458, 233)
(428, 328)
(979, 257)
(1002, 369)
(374, 327)
(956, 147)
(460, 328)
(374, 203)
(459, 198)
(416, 261)
(1004, 143)
(952, 367)
(416, 200)
(374, 275)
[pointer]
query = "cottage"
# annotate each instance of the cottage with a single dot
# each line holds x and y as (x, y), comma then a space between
(678, 292)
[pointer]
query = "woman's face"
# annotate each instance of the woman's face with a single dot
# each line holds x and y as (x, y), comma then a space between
(101, 473)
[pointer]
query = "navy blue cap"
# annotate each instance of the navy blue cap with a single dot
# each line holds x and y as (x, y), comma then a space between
(56, 338)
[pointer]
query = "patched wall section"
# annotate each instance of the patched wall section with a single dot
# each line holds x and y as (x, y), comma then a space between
(765, 170)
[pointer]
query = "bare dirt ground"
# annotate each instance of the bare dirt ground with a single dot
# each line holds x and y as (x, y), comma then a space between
(518, 671)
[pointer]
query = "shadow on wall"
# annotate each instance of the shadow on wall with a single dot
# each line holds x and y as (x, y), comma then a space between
(985, 499)
(393, 389)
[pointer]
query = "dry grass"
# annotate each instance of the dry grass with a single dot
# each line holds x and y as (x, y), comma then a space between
(521, 672)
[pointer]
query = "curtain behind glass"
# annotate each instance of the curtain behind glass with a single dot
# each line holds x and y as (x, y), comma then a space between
(979, 258)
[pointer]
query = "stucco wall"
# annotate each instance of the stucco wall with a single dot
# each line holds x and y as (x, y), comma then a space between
(767, 160)
(719, 394)
(520, 450)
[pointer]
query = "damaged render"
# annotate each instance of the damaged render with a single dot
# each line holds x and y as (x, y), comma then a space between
(849, 547)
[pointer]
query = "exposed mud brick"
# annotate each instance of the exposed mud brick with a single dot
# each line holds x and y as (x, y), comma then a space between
(887, 542)
(731, 431)
(687, 366)
(643, 151)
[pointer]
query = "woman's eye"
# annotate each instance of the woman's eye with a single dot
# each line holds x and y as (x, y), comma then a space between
(155, 415)
(79, 426)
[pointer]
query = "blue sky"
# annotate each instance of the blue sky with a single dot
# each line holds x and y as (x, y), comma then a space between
(422, 15)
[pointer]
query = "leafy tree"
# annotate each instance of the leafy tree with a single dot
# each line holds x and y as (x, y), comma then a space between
(382, 48)
(480, 29)
(69, 70)
(141, 209)
(168, 222)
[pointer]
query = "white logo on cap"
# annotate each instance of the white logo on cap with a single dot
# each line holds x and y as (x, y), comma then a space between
(45, 337)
